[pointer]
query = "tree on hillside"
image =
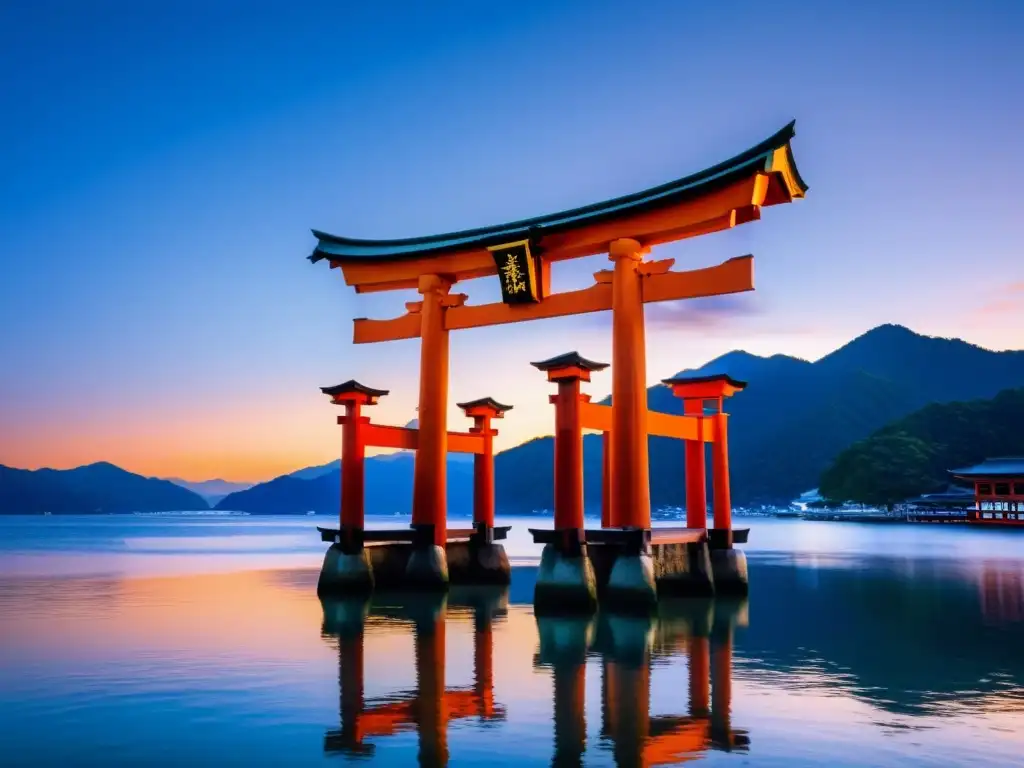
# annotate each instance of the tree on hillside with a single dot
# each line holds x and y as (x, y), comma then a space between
(882, 470)
(913, 455)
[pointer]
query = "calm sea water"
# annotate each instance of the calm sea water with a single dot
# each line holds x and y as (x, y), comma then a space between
(200, 641)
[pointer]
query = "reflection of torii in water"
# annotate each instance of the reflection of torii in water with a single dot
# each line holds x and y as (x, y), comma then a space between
(429, 707)
(627, 646)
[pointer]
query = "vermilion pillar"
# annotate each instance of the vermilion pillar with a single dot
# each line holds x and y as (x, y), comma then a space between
(482, 412)
(720, 472)
(483, 667)
(432, 715)
(631, 492)
(721, 692)
(570, 683)
(350, 678)
(698, 389)
(696, 473)
(627, 706)
(568, 371)
(430, 477)
(353, 396)
(700, 675)
(606, 480)
(563, 649)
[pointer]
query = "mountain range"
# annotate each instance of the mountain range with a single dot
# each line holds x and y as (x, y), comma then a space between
(100, 488)
(318, 489)
(211, 490)
(785, 429)
(792, 420)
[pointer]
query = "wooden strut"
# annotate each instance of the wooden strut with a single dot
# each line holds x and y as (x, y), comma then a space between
(386, 436)
(599, 418)
(658, 284)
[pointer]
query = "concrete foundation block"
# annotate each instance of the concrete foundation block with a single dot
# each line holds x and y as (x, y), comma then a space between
(565, 583)
(729, 568)
(471, 562)
(427, 569)
(344, 574)
(631, 585)
(683, 570)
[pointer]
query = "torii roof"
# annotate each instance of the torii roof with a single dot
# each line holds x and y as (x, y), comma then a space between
(770, 163)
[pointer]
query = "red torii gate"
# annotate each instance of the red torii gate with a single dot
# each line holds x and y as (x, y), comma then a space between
(521, 254)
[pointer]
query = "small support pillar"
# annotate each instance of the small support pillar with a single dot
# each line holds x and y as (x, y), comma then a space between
(728, 565)
(699, 651)
(720, 474)
(721, 692)
(606, 480)
(483, 665)
(696, 472)
(428, 565)
(488, 562)
(565, 581)
(346, 569)
(345, 619)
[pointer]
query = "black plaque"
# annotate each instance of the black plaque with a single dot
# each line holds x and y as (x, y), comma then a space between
(516, 272)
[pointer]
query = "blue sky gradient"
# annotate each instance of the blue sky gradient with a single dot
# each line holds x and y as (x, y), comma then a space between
(161, 166)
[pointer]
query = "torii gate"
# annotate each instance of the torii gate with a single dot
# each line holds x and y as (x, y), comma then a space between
(522, 253)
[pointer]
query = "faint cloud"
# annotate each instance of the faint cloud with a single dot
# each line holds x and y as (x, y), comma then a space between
(413, 424)
(710, 312)
(713, 316)
(1006, 301)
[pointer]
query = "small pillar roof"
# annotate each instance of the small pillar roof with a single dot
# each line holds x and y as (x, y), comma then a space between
(704, 387)
(352, 387)
(569, 360)
(723, 378)
(485, 402)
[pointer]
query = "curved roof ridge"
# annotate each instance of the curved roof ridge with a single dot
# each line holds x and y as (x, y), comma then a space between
(337, 246)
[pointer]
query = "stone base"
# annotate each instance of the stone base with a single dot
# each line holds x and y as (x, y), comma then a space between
(565, 583)
(471, 562)
(345, 574)
(427, 569)
(344, 616)
(626, 638)
(683, 570)
(687, 616)
(563, 640)
(389, 562)
(729, 568)
(631, 585)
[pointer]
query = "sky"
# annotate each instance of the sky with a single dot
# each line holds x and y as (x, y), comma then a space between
(161, 166)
